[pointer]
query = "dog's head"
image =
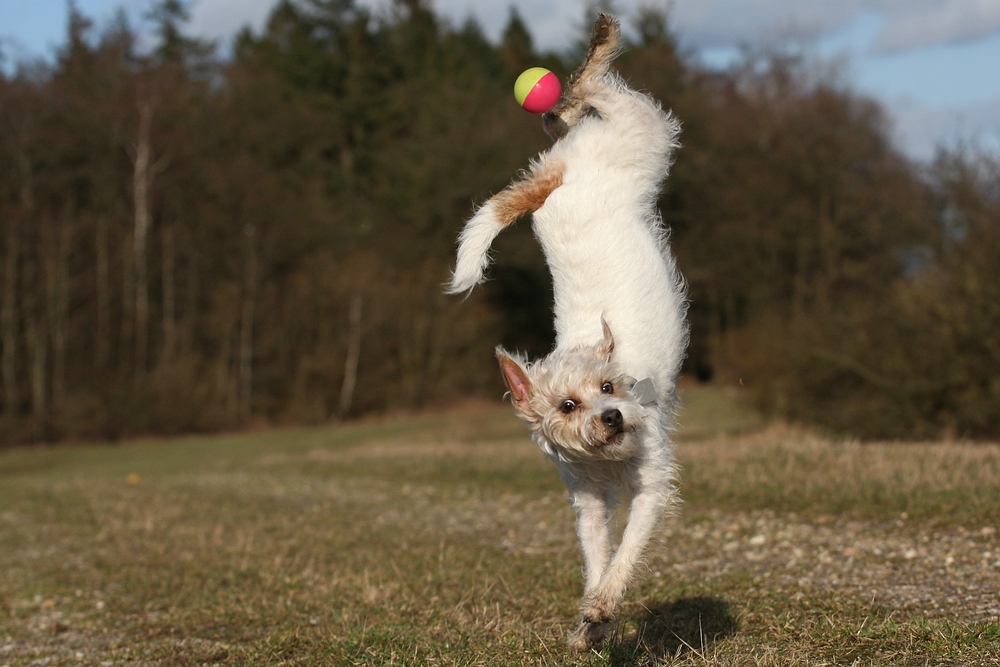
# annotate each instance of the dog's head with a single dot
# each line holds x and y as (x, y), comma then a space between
(554, 125)
(578, 401)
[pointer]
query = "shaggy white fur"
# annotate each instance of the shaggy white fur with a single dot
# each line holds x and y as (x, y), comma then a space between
(619, 314)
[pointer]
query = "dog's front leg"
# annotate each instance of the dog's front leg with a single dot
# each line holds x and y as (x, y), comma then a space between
(592, 527)
(645, 511)
(600, 603)
(523, 196)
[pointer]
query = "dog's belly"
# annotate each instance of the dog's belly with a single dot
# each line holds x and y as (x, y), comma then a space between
(606, 262)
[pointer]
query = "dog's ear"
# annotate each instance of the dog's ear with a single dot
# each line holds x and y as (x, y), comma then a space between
(516, 378)
(607, 344)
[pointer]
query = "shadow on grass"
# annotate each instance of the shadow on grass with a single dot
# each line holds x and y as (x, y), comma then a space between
(672, 629)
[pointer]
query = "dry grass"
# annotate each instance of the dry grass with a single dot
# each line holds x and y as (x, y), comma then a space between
(783, 468)
(446, 540)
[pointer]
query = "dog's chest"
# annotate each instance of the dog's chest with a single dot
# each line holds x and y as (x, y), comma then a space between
(594, 232)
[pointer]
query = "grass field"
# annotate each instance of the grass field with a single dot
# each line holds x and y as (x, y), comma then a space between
(446, 540)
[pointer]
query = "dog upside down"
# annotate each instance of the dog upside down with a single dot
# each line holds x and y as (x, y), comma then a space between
(602, 404)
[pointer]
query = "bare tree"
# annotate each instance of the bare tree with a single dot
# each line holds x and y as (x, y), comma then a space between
(128, 299)
(8, 315)
(190, 295)
(8, 318)
(143, 172)
(55, 257)
(38, 349)
(169, 293)
(103, 286)
(246, 320)
(354, 330)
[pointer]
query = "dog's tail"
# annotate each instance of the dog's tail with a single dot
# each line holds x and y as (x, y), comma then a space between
(474, 248)
(523, 196)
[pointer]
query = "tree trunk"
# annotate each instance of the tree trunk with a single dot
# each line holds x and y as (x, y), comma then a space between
(38, 351)
(224, 378)
(828, 250)
(8, 320)
(103, 285)
(128, 303)
(190, 296)
(354, 329)
(56, 257)
(9, 312)
(716, 327)
(800, 279)
(62, 307)
(141, 176)
(246, 321)
(439, 336)
(169, 298)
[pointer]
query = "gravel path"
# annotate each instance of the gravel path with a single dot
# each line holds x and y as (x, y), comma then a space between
(919, 570)
(915, 568)
(949, 572)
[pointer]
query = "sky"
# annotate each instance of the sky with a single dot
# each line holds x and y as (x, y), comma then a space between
(934, 64)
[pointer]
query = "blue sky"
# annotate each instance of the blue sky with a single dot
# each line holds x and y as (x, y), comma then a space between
(935, 64)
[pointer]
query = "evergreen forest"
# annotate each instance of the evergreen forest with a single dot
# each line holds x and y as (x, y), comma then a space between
(192, 241)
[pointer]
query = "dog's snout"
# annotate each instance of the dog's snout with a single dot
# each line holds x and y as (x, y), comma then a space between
(612, 418)
(554, 126)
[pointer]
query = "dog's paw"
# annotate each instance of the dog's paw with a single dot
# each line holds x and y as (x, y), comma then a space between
(588, 636)
(598, 609)
(598, 615)
(605, 28)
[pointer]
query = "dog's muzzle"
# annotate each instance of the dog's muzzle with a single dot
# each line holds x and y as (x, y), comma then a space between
(554, 126)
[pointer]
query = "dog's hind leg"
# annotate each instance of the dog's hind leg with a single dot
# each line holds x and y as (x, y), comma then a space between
(605, 39)
(605, 46)
(523, 196)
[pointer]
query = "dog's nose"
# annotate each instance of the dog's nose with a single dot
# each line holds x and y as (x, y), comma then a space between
(612, 419)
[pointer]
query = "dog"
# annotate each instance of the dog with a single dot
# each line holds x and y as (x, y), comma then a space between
(602, 404)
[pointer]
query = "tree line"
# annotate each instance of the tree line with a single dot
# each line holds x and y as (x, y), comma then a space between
(194, 242)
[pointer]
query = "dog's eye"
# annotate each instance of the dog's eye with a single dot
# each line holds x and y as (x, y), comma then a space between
(567, 406)
(607, 388)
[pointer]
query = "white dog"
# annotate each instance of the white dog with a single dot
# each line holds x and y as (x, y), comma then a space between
(601, 405)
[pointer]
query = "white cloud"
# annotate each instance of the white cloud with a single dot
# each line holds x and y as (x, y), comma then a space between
(714, 23)
(553, 24)
(921, 130)
(905, 24)
(221, 19)
(871, 30)
(915, 24)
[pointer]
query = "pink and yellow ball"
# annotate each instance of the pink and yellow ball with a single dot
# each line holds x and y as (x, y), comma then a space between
(537, 90)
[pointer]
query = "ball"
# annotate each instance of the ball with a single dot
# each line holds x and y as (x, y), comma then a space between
(537, 90)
